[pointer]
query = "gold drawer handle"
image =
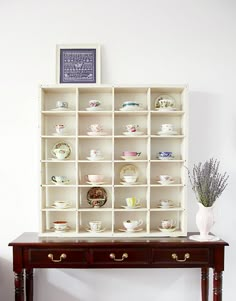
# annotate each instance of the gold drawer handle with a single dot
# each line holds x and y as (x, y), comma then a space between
(63, 256)
(124, 256)
(186, 256)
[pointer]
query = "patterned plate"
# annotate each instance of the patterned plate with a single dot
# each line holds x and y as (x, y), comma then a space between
(61, 145)
(97, 197)
(128, 170)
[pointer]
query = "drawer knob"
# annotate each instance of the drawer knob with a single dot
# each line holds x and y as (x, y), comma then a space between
(124, 256)
(63, 256)
(186, 256)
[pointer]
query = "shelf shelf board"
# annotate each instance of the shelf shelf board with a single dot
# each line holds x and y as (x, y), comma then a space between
(130, 136)
(170, 185)
(58, 209)
(167, 209)
(95, 185)
(94, 161)
(130, 209)
(58, 161)
(92, 113)
(128, 113)
(130, 161)
(95, 137)
(57, 137)
(167, 161)
(131, 185)
(170, 113)
(168, 136)
(64, 186)
(94, 209)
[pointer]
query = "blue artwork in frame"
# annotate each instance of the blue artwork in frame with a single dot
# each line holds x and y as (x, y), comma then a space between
(78, 65)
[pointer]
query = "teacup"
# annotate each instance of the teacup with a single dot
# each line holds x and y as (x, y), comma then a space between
(60, 226)
(62, 104)
(61, 154)
(95, 178)
(132, 202)
(61, 204)
(59, 179)
(95, 128)
(165, 155)
(131, 128)
(131, 154)
(94, 103)
(130, 179)
(130, 225)
(165, 203)
(164, 103)
(60, 128)
(95, 153)
(168, 223)
(167, 127)
(130, 103)
(165, 178)
(95, 225)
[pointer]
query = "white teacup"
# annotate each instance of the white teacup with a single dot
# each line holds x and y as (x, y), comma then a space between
(95, 226)
(132, 202)
(95, 178)
(61, 154)
(94, 153)
(94, 103)
(130, 225)
(60, 129)
(62, 104)
(167, 127)
(95, 128)
(168, 223)
(130, 179)
(60, 226)
(165, 178)
(61, 204)
(166, 203)
(59, 179)
(132, 127)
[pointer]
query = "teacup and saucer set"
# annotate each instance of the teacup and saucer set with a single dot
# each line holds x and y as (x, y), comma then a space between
(130, 155)
(165, 156)
(165, 180)
(61, 105)
(132, 203)
(132, 226)
(60, 226)
(95, 179)
(129, 175)
(167, 225)
(131, 105)
(95, 155)
(61, 205)
(165, 103)
(132, 130)
(165, 204)
(96, 130)
(61, 151)
(95, 227)
(60, 180)
(60, 130)
(167, 129)
(94, 105)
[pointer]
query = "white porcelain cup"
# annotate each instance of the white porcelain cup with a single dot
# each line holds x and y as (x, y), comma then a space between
(165, 178)
(94, 103)
(131, 128)
(59, 179)
(62, 104)
(132, 202)
(95, 153)
(168, 223)
(95, 128)
(61, 153)
(60, 225)
(95, 225)
(130, 179)
(60, 128)
(165, 203)
(95, 178)
(131, 225)
(167, 127)
(61, 204)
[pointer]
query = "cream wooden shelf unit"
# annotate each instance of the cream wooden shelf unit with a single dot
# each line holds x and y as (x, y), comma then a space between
(77, 120)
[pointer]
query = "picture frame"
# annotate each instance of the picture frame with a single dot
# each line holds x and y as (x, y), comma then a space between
(78, 64)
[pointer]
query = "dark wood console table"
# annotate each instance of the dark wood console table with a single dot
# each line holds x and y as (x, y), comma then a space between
(31, 251)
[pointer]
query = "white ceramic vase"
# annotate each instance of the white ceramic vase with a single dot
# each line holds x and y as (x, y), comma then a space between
(204, 220)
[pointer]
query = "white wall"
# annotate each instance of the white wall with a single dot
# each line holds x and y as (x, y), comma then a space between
(149, 41)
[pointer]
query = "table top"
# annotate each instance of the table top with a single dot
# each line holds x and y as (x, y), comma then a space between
(33, 239)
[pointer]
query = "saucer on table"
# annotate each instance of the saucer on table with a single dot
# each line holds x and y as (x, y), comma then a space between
(172, 229)
(95, 158)
(166, 182)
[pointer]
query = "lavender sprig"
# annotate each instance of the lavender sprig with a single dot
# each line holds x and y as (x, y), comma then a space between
(207, 182)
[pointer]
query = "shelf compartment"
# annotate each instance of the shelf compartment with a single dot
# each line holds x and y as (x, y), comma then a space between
(83, 202)
(138, 144)
(174, 145)
(85, 169)
(85, 217)
(141, 193)
(49, 123)
(48, 144)
(104, 144)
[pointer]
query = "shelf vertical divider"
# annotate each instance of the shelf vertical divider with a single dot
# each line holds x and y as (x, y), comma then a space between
(113, 163)
(148, 159)
(77, 227)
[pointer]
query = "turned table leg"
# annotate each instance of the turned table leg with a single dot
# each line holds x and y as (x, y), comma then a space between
(217, 285)
(205, 283)
(29, 274)
(19, 286)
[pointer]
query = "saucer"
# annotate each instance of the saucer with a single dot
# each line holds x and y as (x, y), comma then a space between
(168, 109)
(96, 133)
(130, 157)
(94, 109)
(135, 207)
(56, 159)
(131, 108)
(137, 133)
(95, 183)
(165, 207)
(95, 158)
(62, 183)
(209, 238)
(172, 229)
(167, 133)
(166, 158)
(66, 207)
(166, 182)
(60, 109)
(125, 183)
(98, 231)
(131, 230)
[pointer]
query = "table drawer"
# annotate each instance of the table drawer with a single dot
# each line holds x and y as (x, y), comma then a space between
(181, 256)
(56, 257)
(120, 256)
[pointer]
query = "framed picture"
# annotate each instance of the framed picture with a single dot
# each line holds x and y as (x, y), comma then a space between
(78, 64)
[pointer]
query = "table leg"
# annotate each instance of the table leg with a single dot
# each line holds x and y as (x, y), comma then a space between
(205, 283)
(217, 285)
(19, 286)
(29, 274)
